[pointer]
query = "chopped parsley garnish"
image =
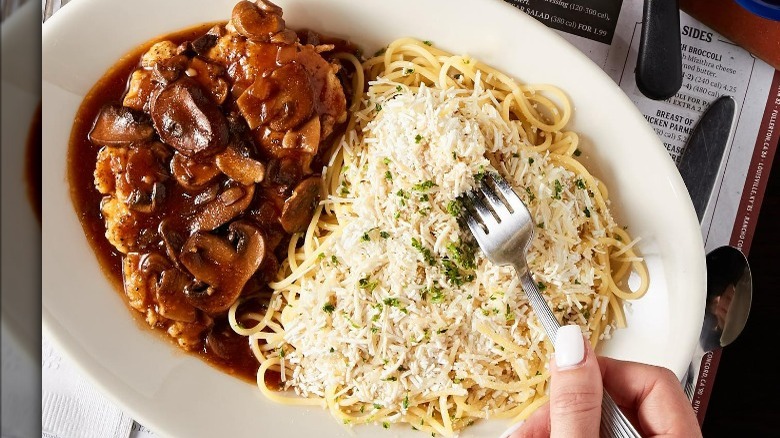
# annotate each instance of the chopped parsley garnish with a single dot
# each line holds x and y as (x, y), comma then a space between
(580, 183)
(417, 138)
(587, 212)
(454, 275)
(392, 302)
(408, 71)
(391, 379)
(454, 207)
(352, 323)
(557, 189)
(426, 253)
(378, 107)
(424, 198)
(509, 315)
(328, 308)
(427, 43)
(586, 314)
(388, 175)
(332, 350)
(530, 194)
(367, 284)
(384, 234)
(386, 425)
(377, 406)
(436, 294)
(541, 286)
(405, 403)
(530, 160)
(463, 254)
(365, 237)
(424, 186)
(577, 152)
(344, 188)
(540, 225)
(334, 259)
(398, 88)
(281, 352)
(480, 175)
(386, 160)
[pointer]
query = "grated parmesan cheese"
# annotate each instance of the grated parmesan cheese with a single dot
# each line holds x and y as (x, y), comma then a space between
(403, 304)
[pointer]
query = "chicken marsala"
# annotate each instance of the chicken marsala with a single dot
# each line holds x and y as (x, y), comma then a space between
(206, 164)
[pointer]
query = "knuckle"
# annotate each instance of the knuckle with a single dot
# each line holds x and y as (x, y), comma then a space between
(575, 401)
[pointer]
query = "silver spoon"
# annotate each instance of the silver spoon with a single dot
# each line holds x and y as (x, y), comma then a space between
(729, 294)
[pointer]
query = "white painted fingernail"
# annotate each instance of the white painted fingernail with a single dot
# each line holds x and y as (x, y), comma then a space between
(511, 430)
(569, 347)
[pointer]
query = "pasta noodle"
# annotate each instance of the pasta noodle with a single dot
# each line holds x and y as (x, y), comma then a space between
(383, 313)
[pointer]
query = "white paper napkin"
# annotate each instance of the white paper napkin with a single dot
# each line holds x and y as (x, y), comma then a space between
(71, 407)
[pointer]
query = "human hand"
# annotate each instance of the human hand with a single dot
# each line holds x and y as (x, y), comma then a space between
(650, 396)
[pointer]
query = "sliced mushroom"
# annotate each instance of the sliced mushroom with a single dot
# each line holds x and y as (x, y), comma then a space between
(299, 208)
(286, 37)
(283, 100)
(193, 174)
(221, 266)
(269, 7)
(147, 202)
(188, 120)
(294, 101)
(168, 70)
(254, 22)
(117, 125)
(236, 163)
(172, 239)
(285, 172)
(203, 43)
(152, 279)
(168, 287)
(232, 200)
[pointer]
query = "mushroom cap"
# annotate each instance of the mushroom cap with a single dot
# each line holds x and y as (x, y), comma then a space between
(188, 120)
(222, 266)
(119, 125)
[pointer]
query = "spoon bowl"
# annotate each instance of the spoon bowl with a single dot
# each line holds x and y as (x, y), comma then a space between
(729, 295)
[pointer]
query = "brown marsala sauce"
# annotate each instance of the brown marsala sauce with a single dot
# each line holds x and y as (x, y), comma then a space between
(82, 158)
(33, 163)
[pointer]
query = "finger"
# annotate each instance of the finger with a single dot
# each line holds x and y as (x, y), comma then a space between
(535, 426)
(654, 393)
(575, 386)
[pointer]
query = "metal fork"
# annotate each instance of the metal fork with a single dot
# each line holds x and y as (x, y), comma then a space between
(504, 228)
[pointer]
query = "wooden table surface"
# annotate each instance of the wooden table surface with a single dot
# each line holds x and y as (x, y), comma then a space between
(745, 401)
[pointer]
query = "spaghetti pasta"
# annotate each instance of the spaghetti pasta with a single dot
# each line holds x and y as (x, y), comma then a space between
(384, 310)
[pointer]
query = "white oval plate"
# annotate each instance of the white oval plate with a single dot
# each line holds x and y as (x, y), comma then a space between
(178, 395)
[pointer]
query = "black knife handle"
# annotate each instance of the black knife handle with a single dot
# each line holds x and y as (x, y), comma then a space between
(659, 64)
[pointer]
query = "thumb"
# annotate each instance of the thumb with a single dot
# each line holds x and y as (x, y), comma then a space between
(575, 387)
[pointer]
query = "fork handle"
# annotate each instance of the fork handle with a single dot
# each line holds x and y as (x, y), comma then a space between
(613, 422)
